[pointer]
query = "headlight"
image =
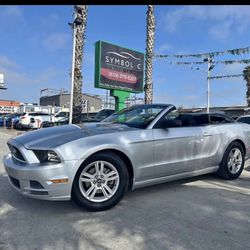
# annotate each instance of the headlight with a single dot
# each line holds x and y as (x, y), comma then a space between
(47, 156)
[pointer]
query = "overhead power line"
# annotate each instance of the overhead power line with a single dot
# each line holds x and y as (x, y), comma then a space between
(225, 76)
(238, 51)
(245, 61)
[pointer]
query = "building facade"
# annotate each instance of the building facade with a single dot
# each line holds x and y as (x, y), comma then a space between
(9, 106)
(90, 103)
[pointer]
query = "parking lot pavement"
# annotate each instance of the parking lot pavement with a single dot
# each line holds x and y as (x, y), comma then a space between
(197, 213)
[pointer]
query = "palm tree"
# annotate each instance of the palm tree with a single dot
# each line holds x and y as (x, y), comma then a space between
(148, 88)
(81, 15)
(246, 75)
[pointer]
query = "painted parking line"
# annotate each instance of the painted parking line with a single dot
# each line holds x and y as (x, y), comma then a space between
(5, 134)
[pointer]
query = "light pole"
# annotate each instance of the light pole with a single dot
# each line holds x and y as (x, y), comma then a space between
(209, 68)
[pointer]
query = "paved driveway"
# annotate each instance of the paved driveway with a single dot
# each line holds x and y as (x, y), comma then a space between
(198, 213)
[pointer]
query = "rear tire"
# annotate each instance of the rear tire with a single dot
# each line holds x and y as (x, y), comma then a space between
(233, 161)
(101, 182)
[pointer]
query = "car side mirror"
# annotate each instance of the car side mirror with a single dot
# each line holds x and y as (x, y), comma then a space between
(170, 123)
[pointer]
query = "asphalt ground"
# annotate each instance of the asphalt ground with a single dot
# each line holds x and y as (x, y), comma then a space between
(198, 213)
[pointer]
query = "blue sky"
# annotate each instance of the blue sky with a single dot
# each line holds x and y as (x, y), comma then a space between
(36, 49)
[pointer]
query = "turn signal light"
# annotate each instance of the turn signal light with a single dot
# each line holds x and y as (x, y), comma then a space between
(59, 181)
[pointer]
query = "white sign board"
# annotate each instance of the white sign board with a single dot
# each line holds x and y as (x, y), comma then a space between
(2, 78)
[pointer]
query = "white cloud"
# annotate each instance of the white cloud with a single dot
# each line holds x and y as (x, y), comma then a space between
(233, 68)
(7, 62)
(56, 41)
(163, 48)
(89, 59)
(21, 84)
(222, 20)
(50, 19)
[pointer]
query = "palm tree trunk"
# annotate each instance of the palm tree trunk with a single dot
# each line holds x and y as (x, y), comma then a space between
(148, 88)
(246, 75)
(81, 13)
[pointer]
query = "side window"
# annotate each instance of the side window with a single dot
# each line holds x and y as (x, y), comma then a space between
(214, 119)
(172, 115)
(169, 121)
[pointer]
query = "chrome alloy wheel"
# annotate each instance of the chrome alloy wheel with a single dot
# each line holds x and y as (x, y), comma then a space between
(234, 161)
(99, 181)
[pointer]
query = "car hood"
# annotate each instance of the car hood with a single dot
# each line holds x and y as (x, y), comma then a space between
(54, 136)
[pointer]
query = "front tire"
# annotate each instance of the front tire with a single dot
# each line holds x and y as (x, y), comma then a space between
(101, 182)
(232, 163)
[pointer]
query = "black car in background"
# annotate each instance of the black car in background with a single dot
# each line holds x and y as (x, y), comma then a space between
(84, 117)
(244, 119)
(101, 115)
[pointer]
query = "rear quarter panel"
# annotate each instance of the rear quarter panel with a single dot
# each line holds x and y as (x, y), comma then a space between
(226, 134)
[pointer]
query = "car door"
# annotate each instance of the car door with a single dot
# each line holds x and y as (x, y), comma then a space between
(175, 148)
(210, 142)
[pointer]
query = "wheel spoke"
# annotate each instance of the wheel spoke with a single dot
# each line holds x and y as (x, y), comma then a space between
(93, 193)
(231, 155)
(236, 153)
(101, 168)
(110, 174)
(97, 168)
(104, 192)
(108, 189)
(87, 175)
(85, 179)
(90, 190)
(115, 177)
(233, 168)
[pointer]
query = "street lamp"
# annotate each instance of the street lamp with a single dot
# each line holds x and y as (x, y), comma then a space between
(209, 68)
(77, 21)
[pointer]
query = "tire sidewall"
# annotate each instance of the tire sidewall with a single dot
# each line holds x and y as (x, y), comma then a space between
(116, 161)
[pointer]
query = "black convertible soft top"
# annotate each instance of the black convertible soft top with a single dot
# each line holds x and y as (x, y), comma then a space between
(198, 119)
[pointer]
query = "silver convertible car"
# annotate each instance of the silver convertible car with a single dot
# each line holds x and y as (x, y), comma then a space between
(96, 163)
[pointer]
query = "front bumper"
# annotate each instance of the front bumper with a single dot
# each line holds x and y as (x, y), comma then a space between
(34, 180)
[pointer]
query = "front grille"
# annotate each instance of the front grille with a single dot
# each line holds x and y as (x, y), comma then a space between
(16, 153)
(14, 181)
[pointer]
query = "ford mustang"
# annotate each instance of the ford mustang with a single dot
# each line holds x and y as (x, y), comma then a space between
(97, 163)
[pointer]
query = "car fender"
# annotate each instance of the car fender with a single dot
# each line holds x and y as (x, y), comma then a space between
(99, 148)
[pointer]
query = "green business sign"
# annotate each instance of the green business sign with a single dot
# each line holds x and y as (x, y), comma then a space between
(118, 68)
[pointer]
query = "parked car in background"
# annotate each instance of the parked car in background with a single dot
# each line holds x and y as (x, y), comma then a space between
(33, 120)
(96, 163)
(244, 119)
(2, 117)
(11, 120)
(104, 113)
(82, 118)
(62, 121)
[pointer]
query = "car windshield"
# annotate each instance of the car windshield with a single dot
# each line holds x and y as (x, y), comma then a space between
(138, 116)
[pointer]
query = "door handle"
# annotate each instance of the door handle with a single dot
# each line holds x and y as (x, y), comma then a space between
(206, 134)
